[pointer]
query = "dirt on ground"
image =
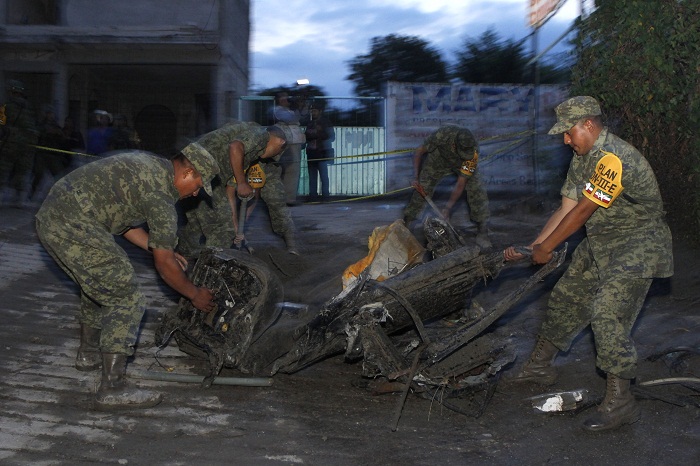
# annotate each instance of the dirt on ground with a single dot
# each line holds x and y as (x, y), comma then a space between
(325, 414)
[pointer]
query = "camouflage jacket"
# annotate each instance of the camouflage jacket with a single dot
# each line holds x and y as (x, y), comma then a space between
(441, 145)
(253, 137)
(629, 227)
(117, 193)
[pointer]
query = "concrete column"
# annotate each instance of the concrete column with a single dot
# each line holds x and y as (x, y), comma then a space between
(3, 11)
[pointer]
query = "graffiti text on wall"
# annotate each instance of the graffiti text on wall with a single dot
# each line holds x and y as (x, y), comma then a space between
(473, 99)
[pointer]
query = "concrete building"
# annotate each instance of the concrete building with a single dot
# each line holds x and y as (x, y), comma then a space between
(174, 68)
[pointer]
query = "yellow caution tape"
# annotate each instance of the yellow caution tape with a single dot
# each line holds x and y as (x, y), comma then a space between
(373, 154)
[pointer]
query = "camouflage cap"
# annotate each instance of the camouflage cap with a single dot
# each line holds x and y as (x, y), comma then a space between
(203, 162)
(571, 111)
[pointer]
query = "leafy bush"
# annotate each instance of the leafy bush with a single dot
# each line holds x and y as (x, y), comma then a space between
(641, 59)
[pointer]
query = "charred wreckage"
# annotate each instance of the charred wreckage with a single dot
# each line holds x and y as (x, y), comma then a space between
(382, 318)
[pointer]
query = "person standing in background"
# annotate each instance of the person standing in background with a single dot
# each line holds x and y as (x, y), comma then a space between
(123, 136)
(73, 140)
(19, 135)
(99, 135)
(47, 161)
(319, 152)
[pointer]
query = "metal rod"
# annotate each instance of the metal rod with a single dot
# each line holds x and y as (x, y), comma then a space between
(241, 221)
(188, 378)
(406, 388)
(669, 380)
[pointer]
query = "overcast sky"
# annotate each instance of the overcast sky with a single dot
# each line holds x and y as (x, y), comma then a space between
(293, 39)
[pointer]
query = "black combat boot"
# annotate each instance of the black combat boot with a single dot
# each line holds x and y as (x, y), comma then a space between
(114, 392)
(89, 357)
(539, 369)
(618, 407)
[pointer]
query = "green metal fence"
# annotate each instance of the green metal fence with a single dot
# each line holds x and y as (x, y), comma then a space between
(359, 167)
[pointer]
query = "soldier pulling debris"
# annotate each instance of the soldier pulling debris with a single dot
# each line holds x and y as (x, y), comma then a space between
(77, 224)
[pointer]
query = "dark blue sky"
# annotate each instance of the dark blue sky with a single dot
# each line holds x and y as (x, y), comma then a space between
(294, 39)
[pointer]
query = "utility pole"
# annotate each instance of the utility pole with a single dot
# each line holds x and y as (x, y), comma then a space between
(536, 97)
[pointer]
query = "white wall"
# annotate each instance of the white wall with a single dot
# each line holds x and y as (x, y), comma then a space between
(496, 114)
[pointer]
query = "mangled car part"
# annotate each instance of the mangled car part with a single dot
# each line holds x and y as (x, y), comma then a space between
(441, 238)
(441, 219)
(435, 289)
(361, 320)
(392, 249)
(246, 294)
(381, 318)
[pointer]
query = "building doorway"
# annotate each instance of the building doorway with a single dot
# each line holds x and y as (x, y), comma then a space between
(157, 128)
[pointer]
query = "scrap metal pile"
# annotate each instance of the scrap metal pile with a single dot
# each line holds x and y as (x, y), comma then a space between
(383, 318)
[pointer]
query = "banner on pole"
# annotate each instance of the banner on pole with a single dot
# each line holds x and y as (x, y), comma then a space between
(541, 10)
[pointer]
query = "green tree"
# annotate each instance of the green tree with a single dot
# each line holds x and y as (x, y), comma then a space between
(490, 59)
(641, 59)
(395, 58)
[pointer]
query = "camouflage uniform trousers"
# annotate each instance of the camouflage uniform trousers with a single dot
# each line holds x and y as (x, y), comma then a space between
(431, 174)
(291, 166)
(273, 193)
(16, 162)
(109, 295)
(211, 218)
(607, 299)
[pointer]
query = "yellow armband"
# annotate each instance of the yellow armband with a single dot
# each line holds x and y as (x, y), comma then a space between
(606, 182)
(469, 166)
(256, 176)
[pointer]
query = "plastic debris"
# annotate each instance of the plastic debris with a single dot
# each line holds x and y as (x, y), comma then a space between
(559, 401)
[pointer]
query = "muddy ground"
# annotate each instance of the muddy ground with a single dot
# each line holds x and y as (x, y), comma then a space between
(325, 414)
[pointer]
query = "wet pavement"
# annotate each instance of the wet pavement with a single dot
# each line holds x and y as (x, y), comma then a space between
(321, 415)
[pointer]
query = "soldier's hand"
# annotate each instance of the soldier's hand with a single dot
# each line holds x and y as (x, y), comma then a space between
(511, 254)
(539, 255)
(244, 191)
(203, 300)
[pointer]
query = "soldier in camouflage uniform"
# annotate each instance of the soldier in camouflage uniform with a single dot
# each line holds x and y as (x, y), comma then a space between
(451, 150)
(77, 223)
(236, 147)
(611, 189)
(19, 135)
